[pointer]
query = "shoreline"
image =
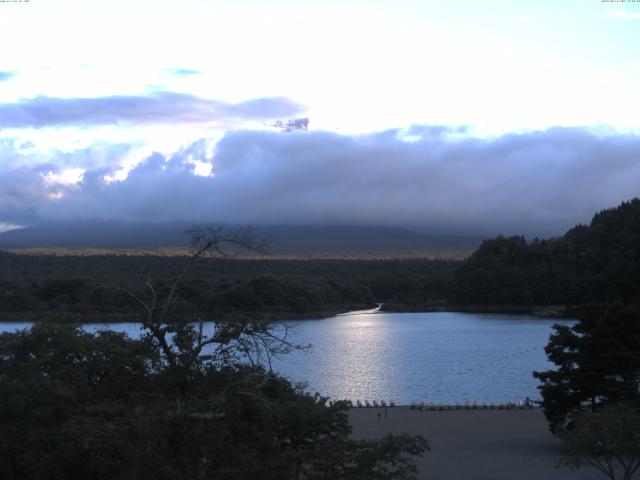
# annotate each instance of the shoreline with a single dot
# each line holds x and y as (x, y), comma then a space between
(543, 311)
(546, 311)
(451, 407)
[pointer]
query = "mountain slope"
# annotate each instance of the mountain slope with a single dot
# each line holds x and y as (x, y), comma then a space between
(283, 239)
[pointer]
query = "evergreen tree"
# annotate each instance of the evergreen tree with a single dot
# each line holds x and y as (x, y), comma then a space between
(597, 360)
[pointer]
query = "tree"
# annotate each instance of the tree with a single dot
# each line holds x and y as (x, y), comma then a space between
(608, 440)
(68, 400)
(595, 263)
(180, 403)
(598, 363)
(184, 349)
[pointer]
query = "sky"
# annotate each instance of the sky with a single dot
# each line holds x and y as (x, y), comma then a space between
(468, 117)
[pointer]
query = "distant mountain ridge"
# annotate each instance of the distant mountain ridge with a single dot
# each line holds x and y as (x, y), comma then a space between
(284, 239)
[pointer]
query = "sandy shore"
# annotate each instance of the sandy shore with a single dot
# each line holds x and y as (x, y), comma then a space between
(475, 444)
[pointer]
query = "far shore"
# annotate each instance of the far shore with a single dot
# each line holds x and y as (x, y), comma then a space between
(552, 311)
(543, 311)
(474, 444)
(100, 317)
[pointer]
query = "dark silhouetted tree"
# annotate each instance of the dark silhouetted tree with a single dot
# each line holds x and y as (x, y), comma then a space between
(597, 362)
(608, 440)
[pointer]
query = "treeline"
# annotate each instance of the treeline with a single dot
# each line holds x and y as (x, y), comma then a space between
(595, 263)
(89, 288)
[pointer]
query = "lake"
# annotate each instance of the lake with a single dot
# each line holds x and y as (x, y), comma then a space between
(438, 357)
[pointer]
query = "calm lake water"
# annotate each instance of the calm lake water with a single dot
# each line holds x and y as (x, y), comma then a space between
(405, 357)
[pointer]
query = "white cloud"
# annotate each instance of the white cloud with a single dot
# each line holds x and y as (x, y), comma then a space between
(71, 176)
(622, 15)
(5, 227)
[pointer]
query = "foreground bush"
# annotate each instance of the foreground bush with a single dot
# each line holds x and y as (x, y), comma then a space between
(77, 405)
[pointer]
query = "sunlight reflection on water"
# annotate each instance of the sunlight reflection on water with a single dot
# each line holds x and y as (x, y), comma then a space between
(432, 357)
(438, 357)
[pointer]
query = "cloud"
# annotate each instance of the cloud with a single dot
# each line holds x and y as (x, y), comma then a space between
(5, 227)
(29, 179)
(6, 75)
(22, 191)
(159, 107)
(526, 18)
(623, 15)
(535, 183)
(182, 72)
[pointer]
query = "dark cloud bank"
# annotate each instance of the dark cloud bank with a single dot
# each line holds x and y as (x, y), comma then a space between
(537, 183)
(159, 107)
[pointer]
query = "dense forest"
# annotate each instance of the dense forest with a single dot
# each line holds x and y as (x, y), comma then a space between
(80, 288)
(595, 263)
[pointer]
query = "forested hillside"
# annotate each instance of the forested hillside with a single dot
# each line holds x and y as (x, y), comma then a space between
(595, 263)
